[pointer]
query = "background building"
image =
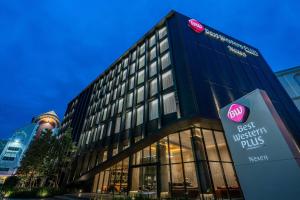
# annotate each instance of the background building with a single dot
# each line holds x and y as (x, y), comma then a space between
(2, 145)
(150, 123)
(290, 79)
(16, 146)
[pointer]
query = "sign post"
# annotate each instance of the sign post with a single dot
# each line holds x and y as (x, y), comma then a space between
(265, 155)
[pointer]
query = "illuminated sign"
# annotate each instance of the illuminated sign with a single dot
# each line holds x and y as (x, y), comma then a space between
(233, 47)
(237, 113)
(196, 26)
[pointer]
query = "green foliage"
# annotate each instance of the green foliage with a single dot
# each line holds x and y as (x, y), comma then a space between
(33, 193)
(10, 183)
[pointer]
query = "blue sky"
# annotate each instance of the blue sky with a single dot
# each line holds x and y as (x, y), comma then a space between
(50, 50)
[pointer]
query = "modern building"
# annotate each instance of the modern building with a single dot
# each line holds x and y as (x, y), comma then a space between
(17, 145)
(290, 80)
(150, 123)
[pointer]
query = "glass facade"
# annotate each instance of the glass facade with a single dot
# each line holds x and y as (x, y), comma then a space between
(193, 163)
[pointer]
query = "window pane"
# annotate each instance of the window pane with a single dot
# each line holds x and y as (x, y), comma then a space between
(230, 175)
(186, 144)
(153, 109)
(217, 175)
(167, 79)
(190, 176)
(165, 61)
(124, 75)
(224, 154)
(164, 151)
(133, 56)
(141, 77)
(153, 69)
(175, 153)
(177, 176)
(140, 115)
(152, 41)
(142, 62)
(153, 87)
(140, 94)
(118, 124)
(132, 68)
(162, 32)
(152, 53)
(164, 45)
(169, 103)
(131, 83)
(210, 145)
(120, 105)
(128, 120)
(129, 99)
(109, 128)
(142, 49)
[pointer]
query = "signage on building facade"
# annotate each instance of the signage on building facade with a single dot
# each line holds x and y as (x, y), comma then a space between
(262, 148)
(234, 47)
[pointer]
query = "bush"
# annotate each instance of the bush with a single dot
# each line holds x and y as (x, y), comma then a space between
(33, 193)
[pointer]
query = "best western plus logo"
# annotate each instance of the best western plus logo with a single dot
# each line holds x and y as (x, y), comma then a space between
(238, 113)
(196, 26)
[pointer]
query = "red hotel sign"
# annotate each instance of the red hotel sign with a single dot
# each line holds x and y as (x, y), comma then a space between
(196, 26)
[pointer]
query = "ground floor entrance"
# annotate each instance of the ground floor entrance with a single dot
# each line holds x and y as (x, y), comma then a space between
(193, 163)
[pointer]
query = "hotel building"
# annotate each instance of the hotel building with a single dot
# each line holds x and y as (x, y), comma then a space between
(150, 123)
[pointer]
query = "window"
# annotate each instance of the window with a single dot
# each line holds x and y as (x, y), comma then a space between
(169, 103)
(120, 105)
(124, 74)
(123, 89)
(112, 111)
(142, 62)
(115, 94)
(140, 115)
(107, 98)
(118, 125)
(133, 56)
(162, 32)
(152, 41)
(152, 53)
(141, 77)
(153, 109)
(125, 62)
(128, 120)
(102, 131)
(142, 49)
(165, 61)
(132, 68)
(153, 69)
(109, 128)
(167, 79)
(164, 45)
(129, 99)
(104, 114)
(131, 83)
(140, 95)
(153, 87)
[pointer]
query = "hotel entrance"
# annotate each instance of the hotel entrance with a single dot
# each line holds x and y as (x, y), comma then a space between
(194, 163)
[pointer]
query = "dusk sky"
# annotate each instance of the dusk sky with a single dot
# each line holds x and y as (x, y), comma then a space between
(51, 50)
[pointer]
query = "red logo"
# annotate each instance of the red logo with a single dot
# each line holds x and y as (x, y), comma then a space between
(196, 26)
(238, 113)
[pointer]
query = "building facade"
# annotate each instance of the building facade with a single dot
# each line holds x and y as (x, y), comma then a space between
(290, 80)
(150, 124)
(2, 145)
(17, 145)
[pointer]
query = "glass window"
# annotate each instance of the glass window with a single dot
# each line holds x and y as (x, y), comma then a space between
(141, 77)
(140, 94)
(133, 56)
(153, 109)
(210, 145)
(129, 99)
(177, 176)
(128, 120)
(169, 103)
(118, 125)
(107, 98)
(125, 62)
(165, 61)
(186, 145)
(142, 49)
(230, 175)
(190, 177)
(104, 114)
(217, 175)
(162, 32)
(140, 115)
(132, 68)
(123, 89)
(167, 79)
(109, 128)
(112, 111)
(102, 131)
(142, 62)
(115, 94)
(152, 40)
(124, 74)
(153, 87)
(152, 53)
(223, 150)
(164, 151)
(120, 105)
(163, 45)
(174, 144)
(131, 83)
(153, 69)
